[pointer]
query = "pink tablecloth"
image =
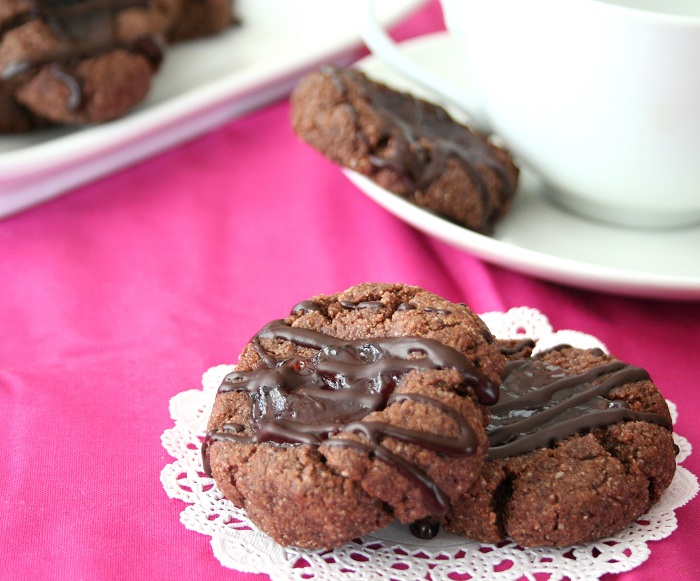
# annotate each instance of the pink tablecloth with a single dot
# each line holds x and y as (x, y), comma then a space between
(117, 296)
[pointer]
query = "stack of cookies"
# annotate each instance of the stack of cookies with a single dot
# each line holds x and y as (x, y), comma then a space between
(88, 61)
(386, 402)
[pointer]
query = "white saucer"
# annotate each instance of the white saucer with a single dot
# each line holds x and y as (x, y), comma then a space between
(539, 239)
(200, 85)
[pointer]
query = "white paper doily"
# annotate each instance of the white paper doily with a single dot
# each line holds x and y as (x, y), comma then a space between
(393, 553)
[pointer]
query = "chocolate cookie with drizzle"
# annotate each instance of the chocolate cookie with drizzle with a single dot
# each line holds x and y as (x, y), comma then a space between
(87, 61)
(407, 145)
(335, 422)
(80, 61)
(580, 446)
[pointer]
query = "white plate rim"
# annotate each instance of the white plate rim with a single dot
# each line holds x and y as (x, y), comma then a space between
(542, 265)
(43, 164)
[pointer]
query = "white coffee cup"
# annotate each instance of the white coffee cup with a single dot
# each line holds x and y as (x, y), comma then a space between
(601, 98)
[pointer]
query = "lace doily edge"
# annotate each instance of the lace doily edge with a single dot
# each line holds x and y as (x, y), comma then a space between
(259, 561)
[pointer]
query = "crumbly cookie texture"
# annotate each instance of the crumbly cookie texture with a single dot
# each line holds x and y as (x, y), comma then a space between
(358, 408)
(78, 62)
(406, 145)
(589, 473)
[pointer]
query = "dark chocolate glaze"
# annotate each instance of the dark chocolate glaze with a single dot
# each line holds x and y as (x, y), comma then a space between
(425, 528)
(85, 28)
(516, 347)
(408, 122)
(361, 305)
(540, 403)
(306, 307)
(324, 398)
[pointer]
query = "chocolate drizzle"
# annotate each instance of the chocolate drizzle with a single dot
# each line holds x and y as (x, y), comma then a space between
(361, 305)
(408, 125)
(540, 403)
(516, 346)
(325, 398)
(425, 528)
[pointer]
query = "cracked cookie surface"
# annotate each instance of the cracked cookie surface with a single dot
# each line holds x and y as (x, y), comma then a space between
(358, 408)
(409, 146)
(576, 477)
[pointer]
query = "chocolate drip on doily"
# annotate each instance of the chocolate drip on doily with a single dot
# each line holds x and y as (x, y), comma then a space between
(425, 528)
(540, 403)
(322, 399)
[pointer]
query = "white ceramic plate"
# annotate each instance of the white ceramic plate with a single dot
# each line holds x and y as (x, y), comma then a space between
(540, 239)
(201, 85)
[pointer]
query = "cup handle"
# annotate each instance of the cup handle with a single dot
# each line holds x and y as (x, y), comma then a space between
(382, 46)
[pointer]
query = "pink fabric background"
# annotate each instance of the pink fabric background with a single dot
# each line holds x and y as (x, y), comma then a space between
(117, 296)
